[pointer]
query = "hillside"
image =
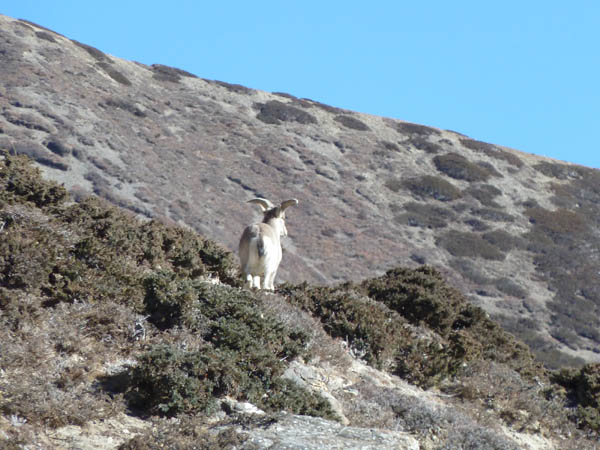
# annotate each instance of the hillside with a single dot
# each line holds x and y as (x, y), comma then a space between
(117, 333)
(514, 232)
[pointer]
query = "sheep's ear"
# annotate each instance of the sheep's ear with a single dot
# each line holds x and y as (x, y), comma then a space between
(288, 203)
(262, 202)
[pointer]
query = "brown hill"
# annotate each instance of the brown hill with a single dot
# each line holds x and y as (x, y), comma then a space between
(515, 232)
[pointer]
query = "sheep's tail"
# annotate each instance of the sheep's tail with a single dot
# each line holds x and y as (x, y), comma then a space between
(260, 246)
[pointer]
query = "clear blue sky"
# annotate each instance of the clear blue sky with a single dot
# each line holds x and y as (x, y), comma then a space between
(525, 74)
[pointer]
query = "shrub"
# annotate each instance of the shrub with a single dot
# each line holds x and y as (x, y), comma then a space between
(485, 194)
(243, 356)
(124, 105)
(352, 123)
(425, 216)
(492, 151)
(558, 170)
(422, 296)
(94, 52)
(45, 36)
(509, 287)
(458, 167)
(170, 74)
(276, 112)
(492, 214)
(470, 270)
(559, 225)
(394, 184)
(422, 143)
(469, 245)
(378, 330)
(415, 129)
(390, 146)
(58, 146)
(40, 154)
(237, 88)
(501, 239)
(114, 74)
(433, 187)
(20, 181)
(584, 387)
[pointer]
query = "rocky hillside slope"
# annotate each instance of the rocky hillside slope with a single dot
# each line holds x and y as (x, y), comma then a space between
(515, 232)
(116, 334)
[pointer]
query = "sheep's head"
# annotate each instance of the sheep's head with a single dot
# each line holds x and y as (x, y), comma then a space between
(274, 215)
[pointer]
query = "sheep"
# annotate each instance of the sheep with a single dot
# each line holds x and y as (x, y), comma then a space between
(260, 245)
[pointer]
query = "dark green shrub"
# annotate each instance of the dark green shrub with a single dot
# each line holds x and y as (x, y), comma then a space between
(244, 355)
(422, 296)
(20, 181)
(583, 385)
(454, 331)
(276, 112)
(492, 151)
(168, 381)
(458, 167)
(470, 245)
(170, 301)
(352, 123)
(429, 186)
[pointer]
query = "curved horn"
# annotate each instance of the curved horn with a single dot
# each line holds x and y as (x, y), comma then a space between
(262, 202)
(288, 203)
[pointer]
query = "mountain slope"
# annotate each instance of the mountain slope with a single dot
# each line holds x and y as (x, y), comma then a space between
(513, 231)
(116, 334)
